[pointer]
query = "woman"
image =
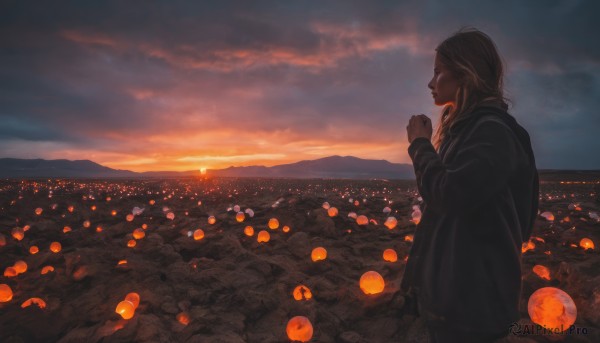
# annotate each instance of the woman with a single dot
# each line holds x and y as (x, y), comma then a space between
(480, 188)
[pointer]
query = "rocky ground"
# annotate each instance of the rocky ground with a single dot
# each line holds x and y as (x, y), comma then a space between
(228, 287)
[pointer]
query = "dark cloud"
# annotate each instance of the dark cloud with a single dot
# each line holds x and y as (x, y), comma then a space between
(107, 75)
(15, 128)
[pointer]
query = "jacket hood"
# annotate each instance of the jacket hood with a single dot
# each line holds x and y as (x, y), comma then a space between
(498, 111)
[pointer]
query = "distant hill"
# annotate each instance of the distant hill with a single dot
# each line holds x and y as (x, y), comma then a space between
(339, 167)
(569, 175)
(20, 168)
(345, 167)
(332, 167)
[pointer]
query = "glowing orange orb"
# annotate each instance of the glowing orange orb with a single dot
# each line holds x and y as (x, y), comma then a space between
(239, 217)
(391, 222)
(20, 267)
(372, 282)
(198, 234)
(212, 220)
(18, 233)
(416, 217)
(362, 220)
(586, 244)
(318, 254)
(55, 247)
(548, 215)
(37, 301)
(552, 308)
(529, 245)
(302, 292)
(126, 309)
(131, 243)
(33, 250)
(541, 271)
(6, 293)
(47, 269)
(332, 212)
(273, 223)
(138, 233)
(263, 237)
(299, 329)
(10, 272)
(390, 255)
(183, 318)
(249, 231)
(133, 298)
(286, 229)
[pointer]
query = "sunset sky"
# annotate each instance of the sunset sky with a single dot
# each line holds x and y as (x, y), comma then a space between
(180, 85)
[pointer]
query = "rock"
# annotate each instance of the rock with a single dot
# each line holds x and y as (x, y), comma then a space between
(262, 267)
(325, 226)
(234, 289)
(184, 305)
(170, 308)
(224, 338)
(76, 335)
(299, 245)
(351, 337)
(515, 339)
(151, 328)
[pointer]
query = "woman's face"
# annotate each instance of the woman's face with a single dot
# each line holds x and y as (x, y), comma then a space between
(443, 85)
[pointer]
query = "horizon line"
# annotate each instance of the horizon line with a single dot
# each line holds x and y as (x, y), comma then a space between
(255, 165)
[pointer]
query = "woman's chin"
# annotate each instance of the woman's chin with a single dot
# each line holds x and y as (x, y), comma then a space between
(442, 103)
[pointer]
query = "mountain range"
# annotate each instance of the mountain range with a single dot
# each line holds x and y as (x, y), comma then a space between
(332, 167)
(338, 167)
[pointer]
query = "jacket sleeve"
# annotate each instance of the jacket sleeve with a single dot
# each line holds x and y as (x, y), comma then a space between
(535, 202)
(481, 167)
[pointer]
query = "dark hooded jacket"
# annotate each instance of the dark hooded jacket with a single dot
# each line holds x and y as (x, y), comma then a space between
(480, 199)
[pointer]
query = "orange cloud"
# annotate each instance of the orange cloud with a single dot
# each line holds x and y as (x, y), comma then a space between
(337, 43)
(84, 38)
(183, 129)
(219, 149)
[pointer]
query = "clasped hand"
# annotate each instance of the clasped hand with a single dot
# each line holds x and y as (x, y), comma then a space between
(419, 126)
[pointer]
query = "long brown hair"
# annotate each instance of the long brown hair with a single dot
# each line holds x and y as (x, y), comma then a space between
(473, 58)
